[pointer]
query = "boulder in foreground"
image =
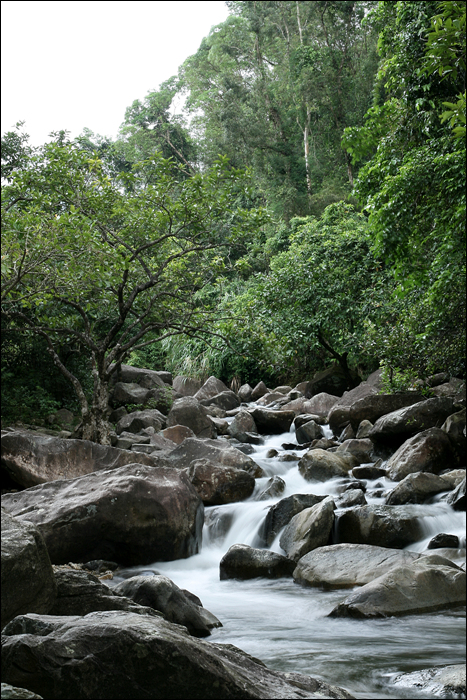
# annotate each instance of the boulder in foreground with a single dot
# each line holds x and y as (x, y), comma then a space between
(133, 515)
(107, 655)
(244, 562)
(438, 682)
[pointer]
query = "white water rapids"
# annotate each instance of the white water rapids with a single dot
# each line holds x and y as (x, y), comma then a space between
(286, 625)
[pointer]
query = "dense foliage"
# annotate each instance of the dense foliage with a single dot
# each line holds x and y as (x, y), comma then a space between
(330, 229)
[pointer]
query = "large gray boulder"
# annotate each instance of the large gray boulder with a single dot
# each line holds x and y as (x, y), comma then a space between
(210, 388)
(437, 682)
(139, 420)
(244, 562)
(226, 400)
(308, 529)
(427, 584)
(339, 413)
(31, 459)
(188, 411)
(258, 391)
(405, 422)
(429, 451)
(160, 593)
(374, 405)
(348, 565)
(123, 655)
(281, 514)
(361, 449)
(454, 427)
(308, 432)
(416, 488)
(132, 515)
(320, 465)
(244, 393)
(383, 526)
(148, 378)
(217, 485)
(269, 422)
(321, 403)
(216, 451)
(28, 582)
(456, 499)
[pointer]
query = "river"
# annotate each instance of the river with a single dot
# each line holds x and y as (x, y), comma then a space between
(286, 625)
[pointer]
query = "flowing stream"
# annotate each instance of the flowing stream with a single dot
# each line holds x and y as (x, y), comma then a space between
(286, 625)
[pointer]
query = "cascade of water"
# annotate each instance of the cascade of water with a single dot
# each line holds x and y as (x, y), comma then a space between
(285, 625)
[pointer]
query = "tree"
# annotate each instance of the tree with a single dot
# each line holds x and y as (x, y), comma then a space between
(126, 256)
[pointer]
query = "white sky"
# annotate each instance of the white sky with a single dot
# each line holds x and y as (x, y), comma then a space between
(70, 65)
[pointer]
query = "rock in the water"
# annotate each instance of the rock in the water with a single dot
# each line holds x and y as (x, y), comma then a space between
(242, 426)
(437, 682)
(361, 449)
(369, 471)
(456, 499)
(274, 487)
(383, 526)
(244, 562)
(308, 529)
(258, 391)
(351, 498)
(244, 393)
(28, 582)
(282, 513)
(339, 414)
(320, 465)
(405, 422)
(416, 488)
(308, 432)
(138, 420)
(188, 411)
(226, 400)
(428, 584)
(31, 459)
(162, 594)
(133, 515)
(429, 451)
(443, 540)
(454, 427)
(217, 485)
(321, 403)
(210, 388)
(348, 565)
(270, 422)
(123, 655)
(216, 451)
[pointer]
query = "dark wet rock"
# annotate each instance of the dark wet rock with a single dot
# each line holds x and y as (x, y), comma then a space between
(135, 514)
(80, 592)
(218, 522)
(242, 426)
(350, 498)
(416, 488)
(216, 451)
(270, 454)
(289, 457)
(454, 427)
(383, 526)
(138, 420)
(28, 582)
(139, 656)
(270, 422)
(32, 459)
(361, 449)
(429, 451)
(144, 377)
(428, 584)
(227, 400)
(347, 434)
(456, 499)
(368, 471)
(188, 411)
(374, 405)
(220, 425)
(303, 418)
(348, 565)
(244, 562)
(274, 487)
(308, 529)
(339, 414)
(454, 388)
(321, 465)
(273, 397)
(308, 432)
(440, 681)
(282, 513)
(217, 485)
(443, 540)
(162, 594)
(331, 380)
(321, 403)
(403, 423)
(323, 444)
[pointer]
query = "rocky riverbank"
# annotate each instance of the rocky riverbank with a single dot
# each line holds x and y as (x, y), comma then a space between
(142, 500)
